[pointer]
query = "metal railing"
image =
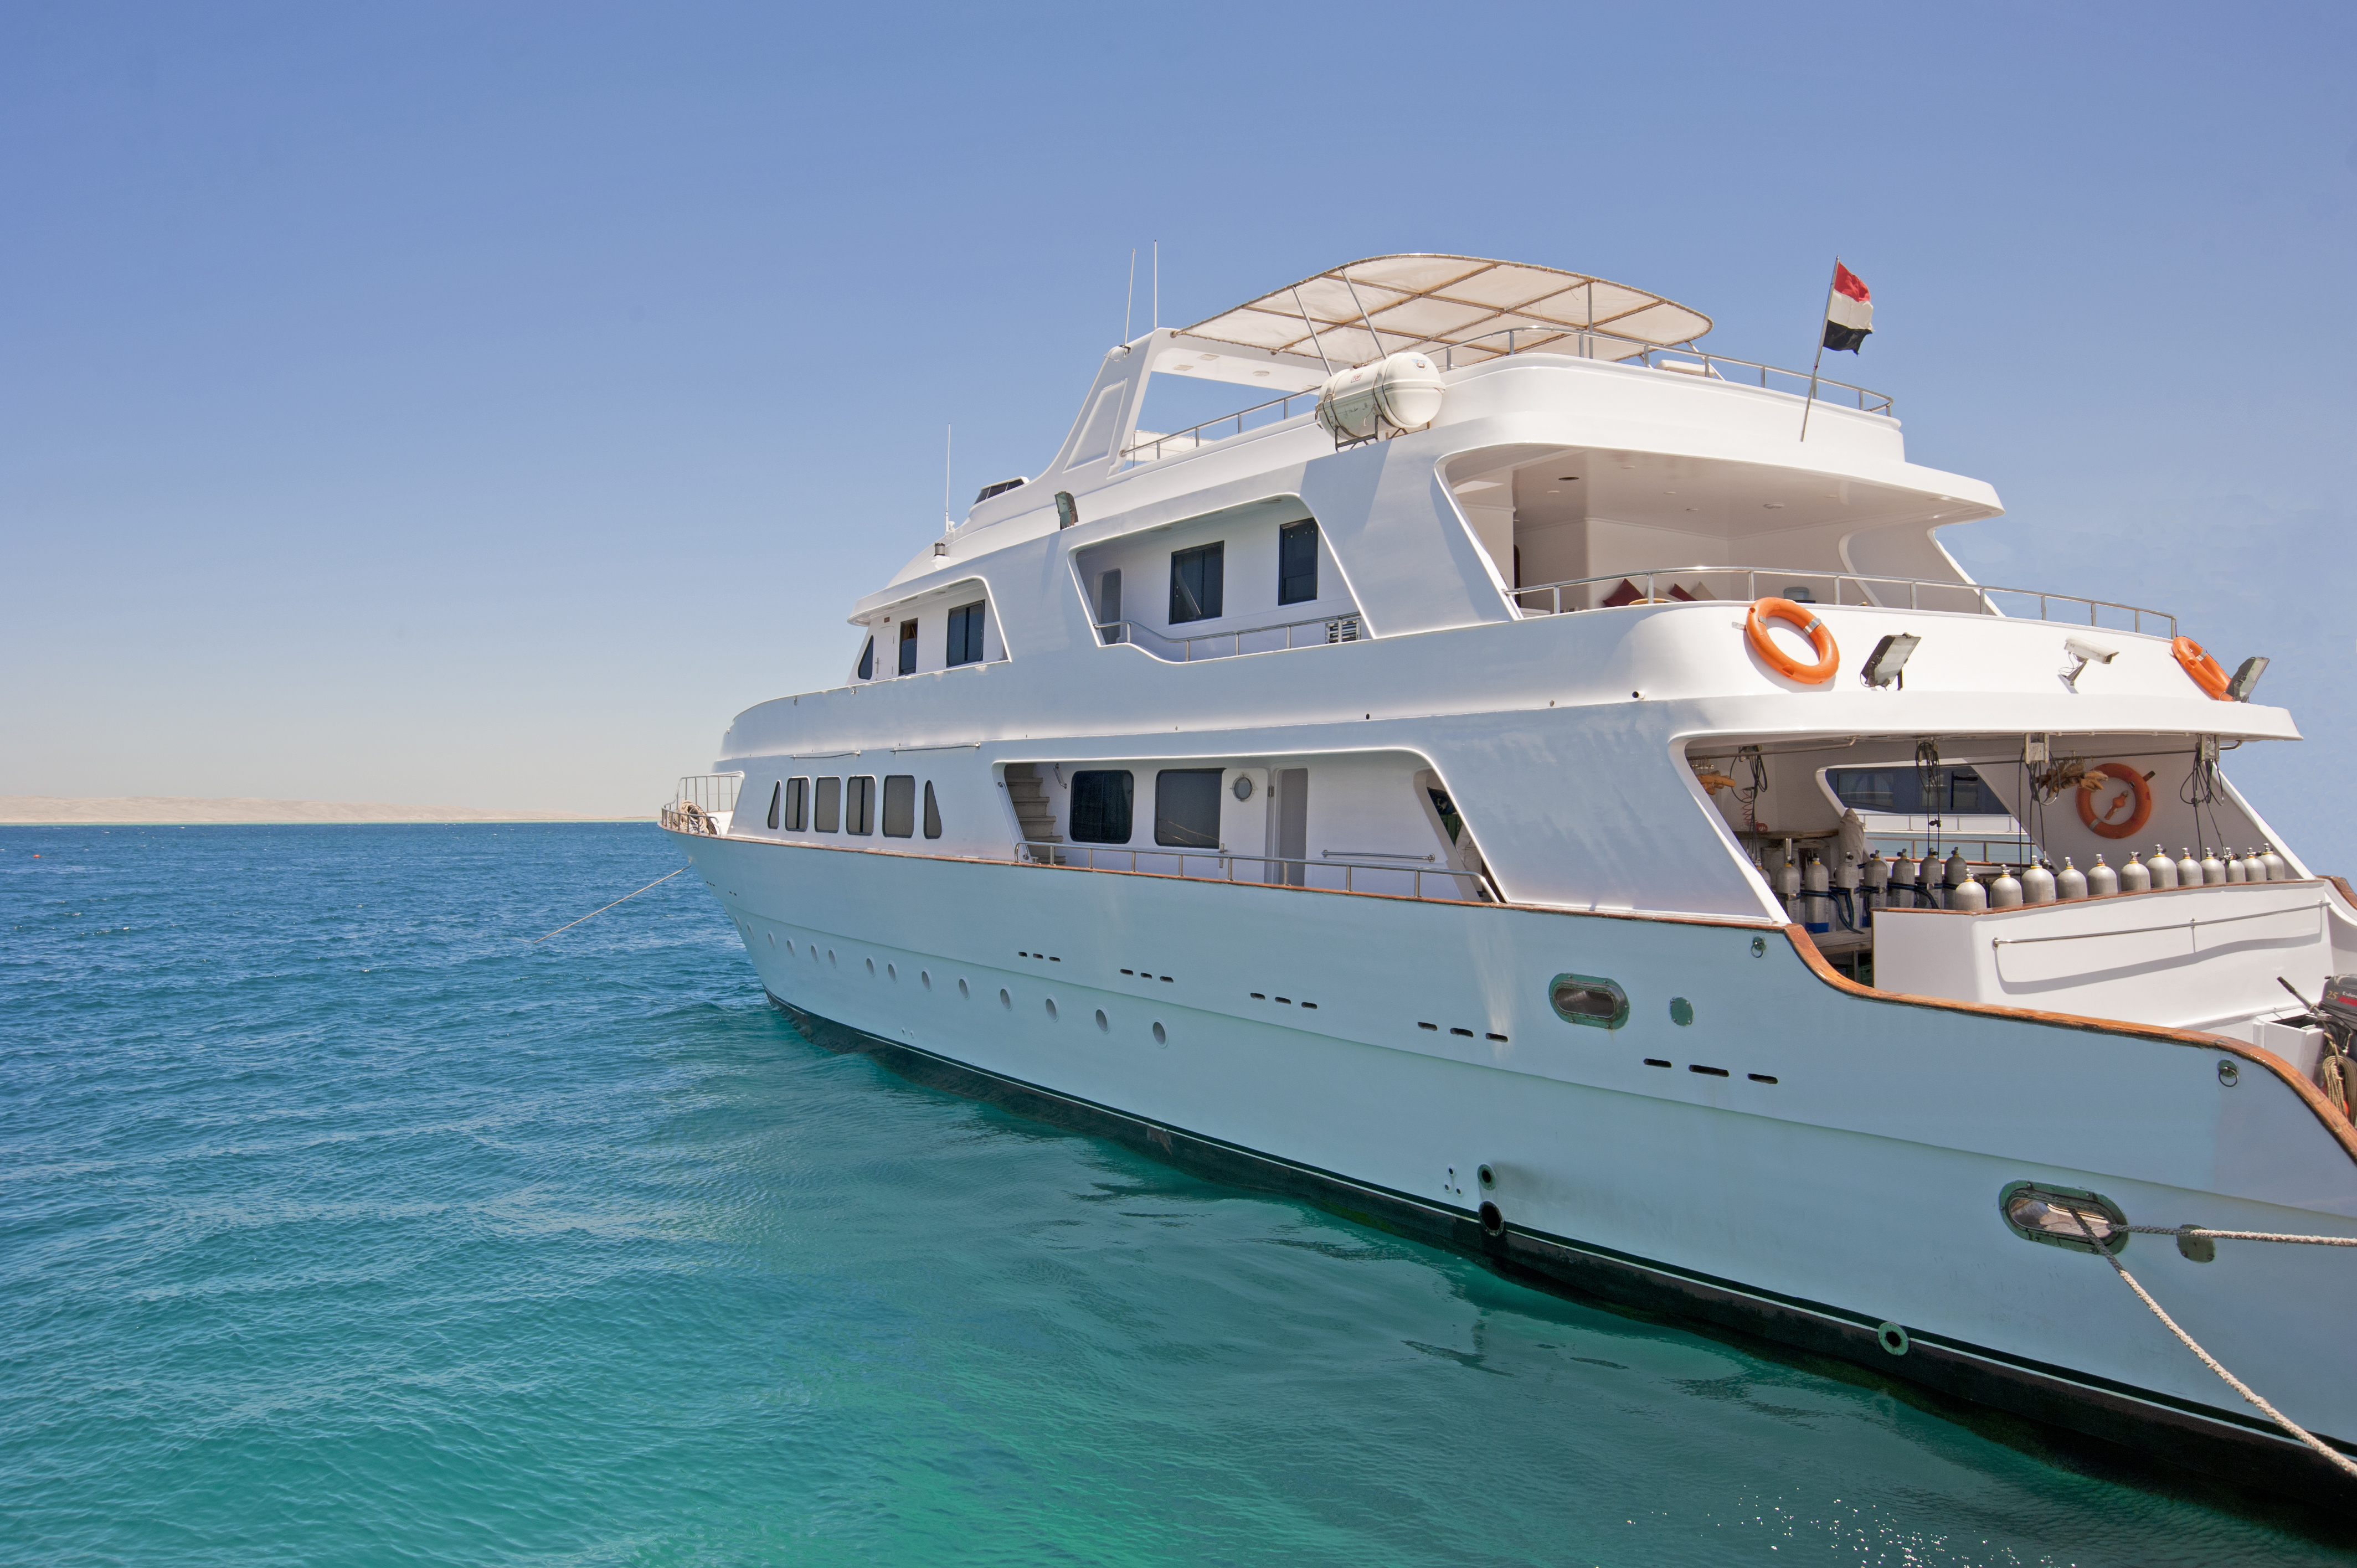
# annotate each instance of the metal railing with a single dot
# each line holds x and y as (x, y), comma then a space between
(1259, 870)
(700, 801)
(1194, 434)
(1656, 587)
(1584, 345)
(1290, 634)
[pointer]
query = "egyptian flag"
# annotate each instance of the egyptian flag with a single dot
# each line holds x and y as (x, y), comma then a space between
(1849, 311)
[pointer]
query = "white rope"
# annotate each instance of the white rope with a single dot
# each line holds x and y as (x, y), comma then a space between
(2238, 1235)
(2347, 1466)
(595, 913)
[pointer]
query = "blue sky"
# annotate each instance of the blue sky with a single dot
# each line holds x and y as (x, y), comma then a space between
(479, 404)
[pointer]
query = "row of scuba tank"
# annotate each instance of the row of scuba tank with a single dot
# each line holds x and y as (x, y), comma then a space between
(1815, 895)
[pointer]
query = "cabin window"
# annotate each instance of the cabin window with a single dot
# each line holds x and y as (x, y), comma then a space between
(859, 807)
(1587, 999)
(867, 660)
(1109, 606)
(1902, 789)
(909, 647)
(1450, 822)
(965, 634)
(1296, 563)
(1196, 582)
(901, 805)
(797, 804)
(777, 800)
(1187, 807)
(932, 812)
(1102, 802)
(829, 805)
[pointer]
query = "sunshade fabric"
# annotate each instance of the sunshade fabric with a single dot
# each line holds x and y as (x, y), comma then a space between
(1430, 301)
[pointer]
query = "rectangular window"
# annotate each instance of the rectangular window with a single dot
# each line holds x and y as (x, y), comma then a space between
(1108, 598)
(932, 813)
(867, 659)
(859, 807)
(797, 804)
(829, 805)
(1195, 583)
(1101, 806)
(1187, 807)
(1900, 789)
(899, 805)
(965, 634)
(1296, 563)
(777, 800)
(907, 647)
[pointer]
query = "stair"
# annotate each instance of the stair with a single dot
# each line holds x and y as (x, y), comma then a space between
(1028, 794)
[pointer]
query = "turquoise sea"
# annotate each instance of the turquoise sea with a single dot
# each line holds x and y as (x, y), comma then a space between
(337, 1225)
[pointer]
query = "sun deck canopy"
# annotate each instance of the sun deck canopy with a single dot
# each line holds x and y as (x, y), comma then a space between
(1467, 303)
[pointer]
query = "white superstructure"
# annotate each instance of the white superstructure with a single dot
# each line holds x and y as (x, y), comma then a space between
(1416, 822)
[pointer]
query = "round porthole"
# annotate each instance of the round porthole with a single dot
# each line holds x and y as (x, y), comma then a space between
(1488, 1176)
(1007, 1002)
(1052, 1008)
(1493, 1220)
(1104, 1025)
(1243, 787)
(1680, 1010)
(1892, 1337)
(1161, 1037)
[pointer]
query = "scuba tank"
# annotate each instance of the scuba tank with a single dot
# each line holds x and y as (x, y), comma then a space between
(2071, 883)
(2135, 877)
(2278, 868)
(1970, 895)
(2006, 891)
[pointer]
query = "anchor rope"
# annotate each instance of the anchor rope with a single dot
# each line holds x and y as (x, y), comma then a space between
(595, 913)
(2342, 1461)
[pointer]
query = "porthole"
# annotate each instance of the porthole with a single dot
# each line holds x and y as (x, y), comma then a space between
(2053, 1216)
(1105, 1026)
(1680, 1010)
(1051, 1009)
(1161, 1037)
(1587, 1000)
(1005, 1001)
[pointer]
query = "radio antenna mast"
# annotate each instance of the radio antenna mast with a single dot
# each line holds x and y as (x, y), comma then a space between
(1129, 300)
(1157, 286)
(948, 433)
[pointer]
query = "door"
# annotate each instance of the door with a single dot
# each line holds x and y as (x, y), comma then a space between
(1289, 824)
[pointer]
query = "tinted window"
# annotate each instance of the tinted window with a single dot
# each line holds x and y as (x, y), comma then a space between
(1187, 807)
(900, 805)
(829, 805)
(797, 804)
(907, 647)
(777, 800)
(1101, 807)
(965, 635)
(859, 807)
(867, 660)
(1296, 563)
(932, 813)
(1900, 789)
(1195, 583)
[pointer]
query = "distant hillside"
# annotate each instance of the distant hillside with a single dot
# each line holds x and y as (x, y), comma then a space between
(45, 811)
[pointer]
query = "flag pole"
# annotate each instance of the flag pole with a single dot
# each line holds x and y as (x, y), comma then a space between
(1819, 362)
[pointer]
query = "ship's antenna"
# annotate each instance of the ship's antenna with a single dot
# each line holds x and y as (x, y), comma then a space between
(949, 432)
(1130, 299)
(1157, 286)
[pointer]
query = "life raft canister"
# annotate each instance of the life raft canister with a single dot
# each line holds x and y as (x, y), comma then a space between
(2200, 666)
(2139, 792)
(1755, 626)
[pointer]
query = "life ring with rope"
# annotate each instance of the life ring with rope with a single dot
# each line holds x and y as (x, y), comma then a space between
(1755, 626)
(2200, 666)
(2100, 824)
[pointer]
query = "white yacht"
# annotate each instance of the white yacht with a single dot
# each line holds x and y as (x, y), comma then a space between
(1510, 787)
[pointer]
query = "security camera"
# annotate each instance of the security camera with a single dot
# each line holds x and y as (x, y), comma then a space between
(2088, 651)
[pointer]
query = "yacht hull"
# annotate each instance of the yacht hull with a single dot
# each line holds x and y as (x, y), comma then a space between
(1803, 1161)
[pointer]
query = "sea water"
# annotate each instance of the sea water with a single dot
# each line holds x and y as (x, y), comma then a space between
(340, 1224)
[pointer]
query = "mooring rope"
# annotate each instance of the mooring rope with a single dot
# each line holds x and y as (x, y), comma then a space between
(2237, 1235)
(2347, 1466)
(595, 913)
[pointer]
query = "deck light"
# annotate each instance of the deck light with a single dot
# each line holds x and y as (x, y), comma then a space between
(2246, 678)
(1888, 663)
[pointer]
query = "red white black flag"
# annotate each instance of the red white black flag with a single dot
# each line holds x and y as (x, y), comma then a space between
(1849, 311)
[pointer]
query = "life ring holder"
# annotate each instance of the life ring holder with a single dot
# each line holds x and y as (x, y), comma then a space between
(2197, 664)
(1755, 627)
(2138, 791)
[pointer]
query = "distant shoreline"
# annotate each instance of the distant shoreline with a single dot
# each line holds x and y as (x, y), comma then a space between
(183, 811)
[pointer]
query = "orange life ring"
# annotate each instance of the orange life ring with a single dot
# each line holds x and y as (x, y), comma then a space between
(1755, 626)
(2200, 666)
(2139, 792)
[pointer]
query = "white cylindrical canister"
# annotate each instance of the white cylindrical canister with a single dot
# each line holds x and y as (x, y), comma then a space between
(2212, 870)
(2038, 885)
(2071, 884)
(1956, 876)
(1400, 392)
(2134, 876)
(2278, 868)
(1970, 895)
(2005, 892)
(2163, 869)
(2233, 864)
(2254, 868)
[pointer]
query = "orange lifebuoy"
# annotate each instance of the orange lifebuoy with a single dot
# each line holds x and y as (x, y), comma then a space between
(2139, 792)
(2200, 666)
(1755, 626)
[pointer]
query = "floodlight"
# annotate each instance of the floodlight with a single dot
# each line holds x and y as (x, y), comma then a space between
(1888, 663)
(2246, 677)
